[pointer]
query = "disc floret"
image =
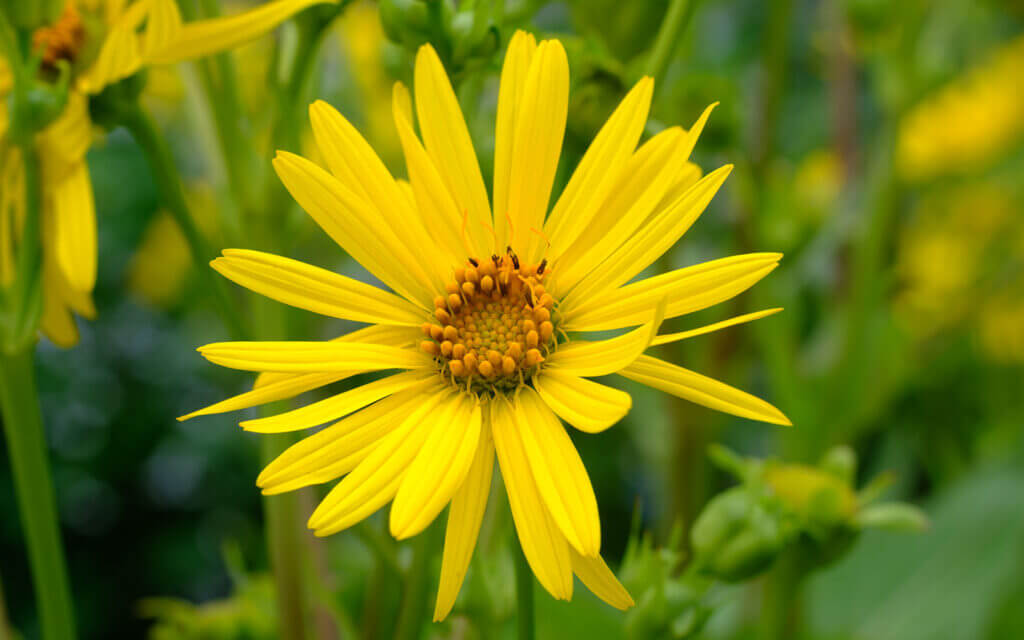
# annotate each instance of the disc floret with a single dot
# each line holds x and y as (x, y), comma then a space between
(493, 326)
(63, 40)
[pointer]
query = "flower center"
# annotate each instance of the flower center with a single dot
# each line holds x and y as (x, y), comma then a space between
(494, 324)
(63, 40)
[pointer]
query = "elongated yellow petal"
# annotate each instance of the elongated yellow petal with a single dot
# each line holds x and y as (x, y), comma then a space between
(352, 224)
(464, 517)
(437, 472)
(537, 145)
(314, 289)
(702, 390)
(57, 323)
(592, 359)
(685, 291)
(204, 37)
(510, 96)
(63, 144)
(710, 328)
(597, 172)
(376, 479)
(337, 449)
(559, 473)
(544, 546)
(119, 56)
(309, 357)
(163, 26)
(597, 577)
(341, 404)
(75, 227)
(288, 387)
(587, 405)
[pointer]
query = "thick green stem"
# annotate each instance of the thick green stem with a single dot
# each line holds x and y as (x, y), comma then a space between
(26, 445)
(672, 26)
(780, 604)
(524, 597)
(414, 599)
(168, 181)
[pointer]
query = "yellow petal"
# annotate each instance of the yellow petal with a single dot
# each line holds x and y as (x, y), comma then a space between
(376, 479)
(287, 387)
(464, 517)
(601, 164)
(438, 470)
(537, 145)
(510, 96)
(204, 37)
(353, 224)
(587, 405)
(544, 546)
(119, 57)
(341, 404)
(597, 577)
(592, 359)
(57, 322)
(75, 227)
(314, 289)
(651, 240)
(447, 140)
(163, 26)
(559, 473)
(309, 357)
(684, 290)
(702, 390)
(710, 328)
(63, 144)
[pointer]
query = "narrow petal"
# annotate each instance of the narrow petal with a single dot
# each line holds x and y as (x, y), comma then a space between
(597, 577)
(119, 56)
(537, 145)
(437, 472)
(341, 404)
(702, 390)
(684, 290)
(710, 328)
(65, 141)
(587, 405)
(57, 322)
(544, 546)
(510, 96)
(447, 141)
(204, 37)
(287, 387)
(314, 289)
(592, 359)
(464, 517)
(559, 473)
(309, 357)
(163, 26)
(75, 227)
(376, 479)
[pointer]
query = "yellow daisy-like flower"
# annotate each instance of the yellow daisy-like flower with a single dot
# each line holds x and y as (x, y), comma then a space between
(483, 317)
(102, 41)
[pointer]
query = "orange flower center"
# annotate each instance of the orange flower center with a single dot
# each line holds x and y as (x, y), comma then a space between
(62, 40)
(494, 324)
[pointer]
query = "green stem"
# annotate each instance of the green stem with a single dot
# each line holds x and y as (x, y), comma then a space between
(414, 600)
(779, 614)
(26, 444)
(6, 631)
(672, 26)
(524, 597)
(168, 181)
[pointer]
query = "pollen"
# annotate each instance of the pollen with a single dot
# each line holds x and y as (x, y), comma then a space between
(493, 324)
(62, 40)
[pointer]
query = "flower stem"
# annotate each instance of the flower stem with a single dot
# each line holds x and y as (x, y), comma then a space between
(26, 444)
(524, 597)
(672, 25)
(414, 599)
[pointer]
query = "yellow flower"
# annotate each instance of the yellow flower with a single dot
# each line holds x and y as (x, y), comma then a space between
(485, 315)
(102, 42)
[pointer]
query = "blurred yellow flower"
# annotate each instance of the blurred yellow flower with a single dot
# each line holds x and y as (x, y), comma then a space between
(976, 117)
(486, 296)
(102, 42)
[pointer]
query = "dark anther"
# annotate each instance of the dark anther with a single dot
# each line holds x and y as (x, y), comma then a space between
(543, 264)
(473, 262)
(495, 259)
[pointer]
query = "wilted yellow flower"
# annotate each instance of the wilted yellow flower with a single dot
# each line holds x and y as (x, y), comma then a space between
(490, 297)
(101, 42)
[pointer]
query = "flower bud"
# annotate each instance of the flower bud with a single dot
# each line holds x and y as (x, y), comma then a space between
(737, 535)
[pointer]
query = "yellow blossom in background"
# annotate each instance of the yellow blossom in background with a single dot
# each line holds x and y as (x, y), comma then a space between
(817, 182)
(102, 43)
(967, 123)
(1001, 327)
(490, 298)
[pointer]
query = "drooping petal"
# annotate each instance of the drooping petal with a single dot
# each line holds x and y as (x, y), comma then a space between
(163, 26)
(309, 357)
(592, 359)
(341, 404)
(597, 577)
(544, 546)
(63, 144)
(75, 227)
(287, 387)
(318, 290)
(464, 517)
(685, 291)
(119, 56)
(710, 328)
(702, 390)
(559, 473)
(587, 405)
(437, 472)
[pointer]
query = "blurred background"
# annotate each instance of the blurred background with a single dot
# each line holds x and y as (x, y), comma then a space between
(879, 145)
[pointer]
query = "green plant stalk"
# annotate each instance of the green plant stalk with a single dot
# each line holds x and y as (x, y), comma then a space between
(672, 26)
(414, 598)
(780, 617)
(524, 596)
(26, 444)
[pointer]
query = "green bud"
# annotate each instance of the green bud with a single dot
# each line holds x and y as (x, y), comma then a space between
(738, 535)
(405, 22)
(35, 107)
